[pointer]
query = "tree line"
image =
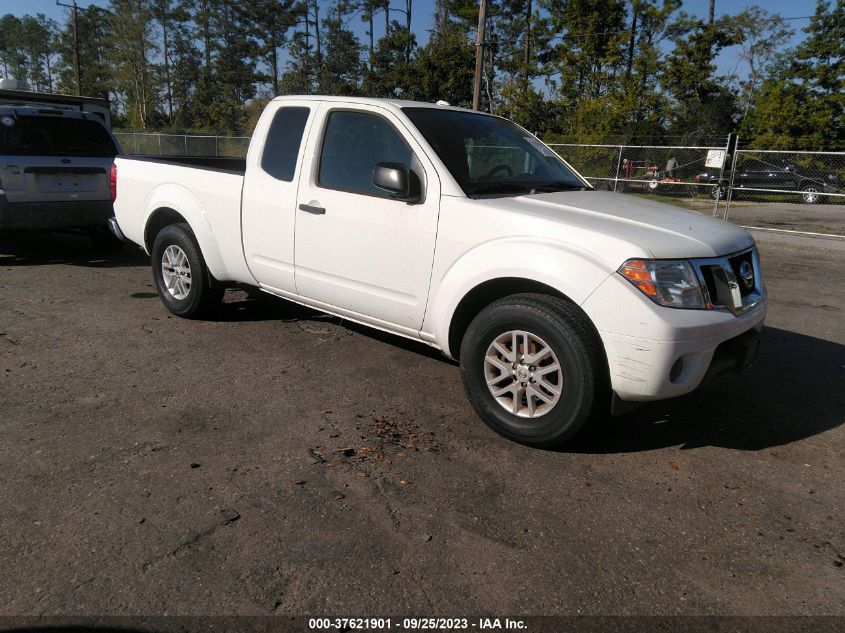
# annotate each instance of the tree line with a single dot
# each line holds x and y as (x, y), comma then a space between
(586, 70)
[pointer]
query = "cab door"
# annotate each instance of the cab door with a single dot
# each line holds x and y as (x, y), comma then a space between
(268, 203)
(358, 249)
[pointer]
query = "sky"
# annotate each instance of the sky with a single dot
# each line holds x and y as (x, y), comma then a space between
(424, 9)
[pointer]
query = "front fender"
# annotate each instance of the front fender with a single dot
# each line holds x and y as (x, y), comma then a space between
(572, 271)
(181, 200)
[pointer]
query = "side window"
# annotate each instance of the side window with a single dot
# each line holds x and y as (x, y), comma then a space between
(353, 144)
(281, 149)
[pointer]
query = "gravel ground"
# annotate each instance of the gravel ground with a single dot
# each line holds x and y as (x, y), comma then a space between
(815, 218)
(278, 461)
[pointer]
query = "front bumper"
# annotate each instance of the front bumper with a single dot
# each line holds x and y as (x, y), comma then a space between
(654, 353)
(31, 216)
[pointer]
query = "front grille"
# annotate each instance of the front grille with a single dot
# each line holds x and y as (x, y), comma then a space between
(744, 263)
(709, 282)
(732, 282)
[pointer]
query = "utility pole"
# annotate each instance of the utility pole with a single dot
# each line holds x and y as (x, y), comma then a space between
(408, 7)
(77, 69)
(527, 60)
(712, 13)
(479, 55)
(317, 29)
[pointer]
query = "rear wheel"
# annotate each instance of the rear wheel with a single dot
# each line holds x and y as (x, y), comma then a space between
(810, 194)
(180, 274)
(533, 369)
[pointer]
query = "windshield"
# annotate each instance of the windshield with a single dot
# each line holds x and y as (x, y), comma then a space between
(492, 156)
(54, 136)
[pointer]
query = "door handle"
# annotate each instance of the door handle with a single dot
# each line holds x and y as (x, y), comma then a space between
(312, 209)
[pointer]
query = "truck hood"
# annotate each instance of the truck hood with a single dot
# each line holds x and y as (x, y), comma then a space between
(664, 230)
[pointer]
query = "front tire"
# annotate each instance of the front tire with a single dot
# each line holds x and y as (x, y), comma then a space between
(534, 369)
(180, 274)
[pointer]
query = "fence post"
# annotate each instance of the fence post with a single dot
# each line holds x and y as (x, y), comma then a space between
(731, 182)
(618, 164)
(717, 197)
(216, 152)
(135, 136)
(186, 144)
(159, 144)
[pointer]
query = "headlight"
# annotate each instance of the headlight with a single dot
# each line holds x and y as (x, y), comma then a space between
(670, 283)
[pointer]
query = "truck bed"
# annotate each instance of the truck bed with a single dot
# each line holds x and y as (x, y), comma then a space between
(211, 163)
(205, 191)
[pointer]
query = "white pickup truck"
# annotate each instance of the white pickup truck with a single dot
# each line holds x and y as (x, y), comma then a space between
(463, 231)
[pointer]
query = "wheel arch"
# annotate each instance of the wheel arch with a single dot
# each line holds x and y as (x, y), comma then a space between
(174, 205)
(159, 219)
(485, 293)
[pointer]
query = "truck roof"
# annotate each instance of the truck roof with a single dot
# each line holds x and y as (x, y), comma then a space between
(395, 103)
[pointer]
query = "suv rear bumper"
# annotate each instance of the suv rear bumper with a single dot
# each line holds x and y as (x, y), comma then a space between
(28, 216)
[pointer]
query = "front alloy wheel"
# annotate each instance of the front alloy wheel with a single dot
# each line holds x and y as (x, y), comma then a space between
(523, 374)
(534, 368)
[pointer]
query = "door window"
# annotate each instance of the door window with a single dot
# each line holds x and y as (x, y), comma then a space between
(353, 144)
(284, 139)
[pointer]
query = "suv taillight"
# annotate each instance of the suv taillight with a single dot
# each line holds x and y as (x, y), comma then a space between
(113, 182)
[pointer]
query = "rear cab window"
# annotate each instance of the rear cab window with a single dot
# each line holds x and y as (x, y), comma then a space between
(281, 148)
(54, 136)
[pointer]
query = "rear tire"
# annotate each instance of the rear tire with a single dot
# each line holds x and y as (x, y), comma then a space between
(810, 194)
(511, 380)
(180, 274)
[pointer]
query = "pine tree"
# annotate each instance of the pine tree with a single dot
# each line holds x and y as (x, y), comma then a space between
(95, 54)
(268, 23)
(341, 70)
(392, 74)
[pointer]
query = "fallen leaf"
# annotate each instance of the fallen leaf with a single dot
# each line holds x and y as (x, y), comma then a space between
(339, 497)
(297, 482)
(404, 482)
(674, 466)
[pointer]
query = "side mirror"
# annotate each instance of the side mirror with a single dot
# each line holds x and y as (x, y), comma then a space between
(402, 183)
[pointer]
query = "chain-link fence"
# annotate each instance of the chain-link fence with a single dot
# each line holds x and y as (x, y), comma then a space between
(151, 144)
(686, 175)
(797, 191)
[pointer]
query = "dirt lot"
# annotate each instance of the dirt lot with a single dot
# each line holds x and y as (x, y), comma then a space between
(277, 461)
